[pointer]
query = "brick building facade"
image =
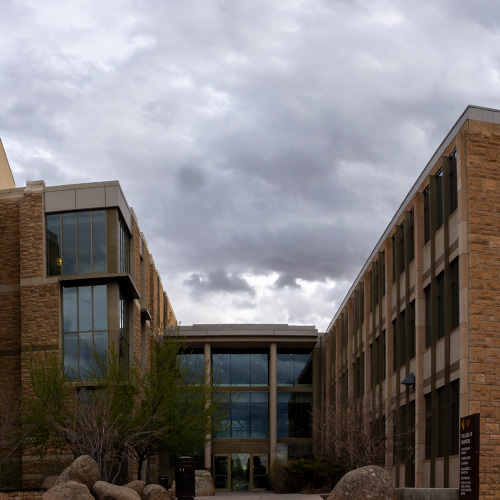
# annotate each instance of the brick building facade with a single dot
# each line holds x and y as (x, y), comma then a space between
(75, 271)
(420, 324)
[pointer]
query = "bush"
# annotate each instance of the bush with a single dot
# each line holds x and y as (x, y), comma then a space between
(305, 475)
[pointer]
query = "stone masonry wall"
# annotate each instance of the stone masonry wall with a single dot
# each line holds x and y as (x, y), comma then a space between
(483, 203)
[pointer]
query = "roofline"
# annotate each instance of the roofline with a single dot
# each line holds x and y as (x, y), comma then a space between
(471, 112)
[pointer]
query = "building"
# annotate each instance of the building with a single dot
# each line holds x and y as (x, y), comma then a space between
(271, 377)
(420, 324)
(75, 272)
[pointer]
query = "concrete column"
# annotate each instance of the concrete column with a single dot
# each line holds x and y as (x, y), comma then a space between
(273, 401)
(207, 353)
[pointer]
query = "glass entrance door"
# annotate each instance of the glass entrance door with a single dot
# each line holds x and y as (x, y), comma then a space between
(259, 472)
(240, 471)
(221, 472)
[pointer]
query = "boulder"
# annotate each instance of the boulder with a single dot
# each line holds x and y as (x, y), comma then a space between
(70, 490)
(204, 485)
(83, 470)
(155, 492)
(107, 491)
(49, 481)
(367, 483)
(137, 485)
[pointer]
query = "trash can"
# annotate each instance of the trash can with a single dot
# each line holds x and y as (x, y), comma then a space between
(184, 478)
(163, 481)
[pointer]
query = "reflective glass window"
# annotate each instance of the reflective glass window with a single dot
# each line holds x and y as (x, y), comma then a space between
(76, 242)
(294, 368)
(54, 257)
(193, 363)
(259, 369)
(259, 414)
(294, 414)
(240, 415)
(221, 366)
(84, 329)
(240, 369)
(84, 243)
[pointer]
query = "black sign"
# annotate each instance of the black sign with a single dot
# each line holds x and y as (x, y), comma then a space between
(469, 457)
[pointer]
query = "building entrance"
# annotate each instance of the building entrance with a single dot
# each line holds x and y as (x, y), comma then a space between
(240, 471)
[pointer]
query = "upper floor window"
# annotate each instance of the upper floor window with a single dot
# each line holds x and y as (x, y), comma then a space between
(453, 182)
(123, 247)
(412, 234)
(76, 242)
(85, 330)
(245, 369)
(427, 214)
(294, 368)
(439, 200)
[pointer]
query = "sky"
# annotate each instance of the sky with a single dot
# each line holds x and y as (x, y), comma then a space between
(264, 145)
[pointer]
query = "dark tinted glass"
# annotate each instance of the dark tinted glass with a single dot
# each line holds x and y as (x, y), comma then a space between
(71, 355)
(54, 260)
(221, 368)
(427, 220)
(100, 350)
(439, 200)
(100, 307)
(224, 430)
(259, 369)
(303, 369)
(259, 414)
(240, 369)
(440, 305)
(428, 311)
(69, 243)
(283, 401)
(85, 308)
(99, 241)
(84, 243)
(285, 369)
(240, 415)
(70, 322)
(85, 354)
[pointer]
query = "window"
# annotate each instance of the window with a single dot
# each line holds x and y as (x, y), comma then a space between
(123, 247)
(440, 305)
(394, 347)
(382, 273)
(85, 330)
(193, 365)
(455, 295)
(428, 317)
(440, 421)
(402, 256)
(293, 451)
(294, 368)
(247, 416)
(240, 369)
(412, 234)
(428, 426)
(412, 330)
(402, 340)
(453, 182)
(439, 200)
(124, 332)
(427, 214)
(394, 273)
(294, 414)
(383, 368)
(76, 243)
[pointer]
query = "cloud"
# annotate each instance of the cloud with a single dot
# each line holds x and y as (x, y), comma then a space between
(255, 140)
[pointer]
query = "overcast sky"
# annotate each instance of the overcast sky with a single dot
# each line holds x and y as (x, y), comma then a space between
(264, 145)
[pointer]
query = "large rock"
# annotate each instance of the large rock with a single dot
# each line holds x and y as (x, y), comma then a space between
(204, 485)
(83, 470)
(70, 490)
(155, 492)
(107, 491)
(137, 485)
(366, 483)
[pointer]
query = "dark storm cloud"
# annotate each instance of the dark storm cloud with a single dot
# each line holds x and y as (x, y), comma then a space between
(218, 281)
(254, 139)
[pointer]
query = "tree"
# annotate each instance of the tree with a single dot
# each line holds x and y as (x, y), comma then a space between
(10, 435)
(349, 436)
(122, 413)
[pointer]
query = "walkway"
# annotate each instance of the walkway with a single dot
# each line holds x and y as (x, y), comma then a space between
(258, 495)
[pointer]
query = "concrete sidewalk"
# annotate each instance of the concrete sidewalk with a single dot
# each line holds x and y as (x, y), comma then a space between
(258, 495)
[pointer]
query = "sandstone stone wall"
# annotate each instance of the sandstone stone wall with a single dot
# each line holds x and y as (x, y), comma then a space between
(483, 203)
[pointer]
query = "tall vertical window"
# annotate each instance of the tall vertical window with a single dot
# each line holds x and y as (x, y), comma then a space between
(123, 247)
(402, 256)
(382, 273)
(412, 337)
(455, 416)
(294, 414)
(439, 200)
(455, 295)
(402, 340)
(394, 347)
(428, 426)
(394, 273)
(428, 317)
(412, 234)
(440, 305)
(453, 182)
(427, 214)
(85, 330)
(124, 332)
(440, 421)
(76, 242)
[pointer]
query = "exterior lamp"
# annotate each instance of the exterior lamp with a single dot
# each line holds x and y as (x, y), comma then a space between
(409, 380)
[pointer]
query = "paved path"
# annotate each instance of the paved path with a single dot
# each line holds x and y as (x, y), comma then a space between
(257, 495)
